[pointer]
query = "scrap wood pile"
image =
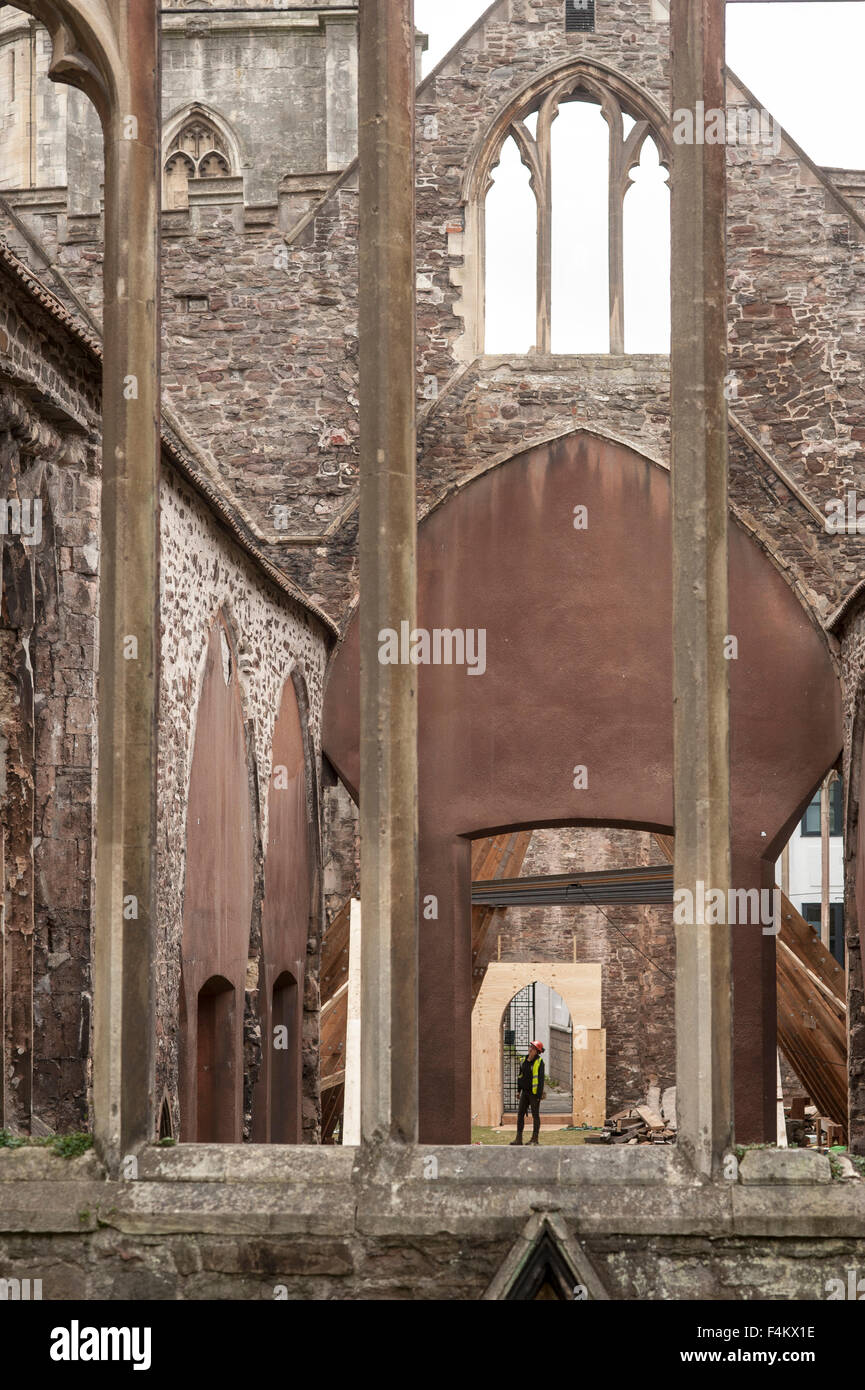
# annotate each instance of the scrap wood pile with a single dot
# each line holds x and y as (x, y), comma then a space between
(651, 1122)
(807, 1128)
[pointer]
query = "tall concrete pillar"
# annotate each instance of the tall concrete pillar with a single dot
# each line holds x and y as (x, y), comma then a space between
(700, 624)
(388, 694)
(110, 49)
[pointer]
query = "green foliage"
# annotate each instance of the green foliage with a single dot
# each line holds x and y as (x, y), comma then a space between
(63, 1145)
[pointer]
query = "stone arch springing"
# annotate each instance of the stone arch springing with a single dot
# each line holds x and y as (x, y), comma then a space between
(635, 122)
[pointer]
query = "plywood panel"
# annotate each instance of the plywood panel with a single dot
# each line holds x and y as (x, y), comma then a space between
(590, 1078)
(579, 985)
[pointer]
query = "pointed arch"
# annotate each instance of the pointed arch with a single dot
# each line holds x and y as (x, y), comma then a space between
(592, 630)
(218, 897)
(633, 117)
(290, 912)
(227, 141)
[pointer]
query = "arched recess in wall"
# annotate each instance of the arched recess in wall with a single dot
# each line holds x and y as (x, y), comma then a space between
(217, 904)
(287, 912)
(633, 119)
(197, 143)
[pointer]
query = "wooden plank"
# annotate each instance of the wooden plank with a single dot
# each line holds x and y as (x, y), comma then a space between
(334, 953)
(332, 1044)
(812, 1038)
(496, 856)
(331, 1112)
(804, 941)
(666, 844)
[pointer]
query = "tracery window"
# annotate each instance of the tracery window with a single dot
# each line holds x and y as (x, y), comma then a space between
(575, 198)
(198, 151)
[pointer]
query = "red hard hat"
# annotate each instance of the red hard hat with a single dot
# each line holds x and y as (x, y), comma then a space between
(538, 1045)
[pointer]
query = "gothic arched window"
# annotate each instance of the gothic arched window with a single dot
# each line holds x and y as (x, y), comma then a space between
(571, 250)
(198, 151)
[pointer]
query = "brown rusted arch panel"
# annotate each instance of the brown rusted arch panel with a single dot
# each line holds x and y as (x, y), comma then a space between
(285, 918)
(217, 900)
(578, 672)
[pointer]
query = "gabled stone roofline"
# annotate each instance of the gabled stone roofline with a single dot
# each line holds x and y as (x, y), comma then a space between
(823, 175)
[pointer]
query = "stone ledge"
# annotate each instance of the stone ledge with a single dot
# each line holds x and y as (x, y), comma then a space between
(544, 364)
(246, 1163)
(763, 1167)
(38, 1164)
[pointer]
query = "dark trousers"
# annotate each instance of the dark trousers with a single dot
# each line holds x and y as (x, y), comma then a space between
(526, 1100)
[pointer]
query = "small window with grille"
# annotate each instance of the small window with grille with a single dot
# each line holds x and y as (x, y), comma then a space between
(580, 16)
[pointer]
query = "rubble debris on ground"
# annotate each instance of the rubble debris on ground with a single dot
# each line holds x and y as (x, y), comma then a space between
(652, 1121)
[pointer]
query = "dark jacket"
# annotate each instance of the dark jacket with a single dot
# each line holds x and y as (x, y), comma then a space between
(525, 1081)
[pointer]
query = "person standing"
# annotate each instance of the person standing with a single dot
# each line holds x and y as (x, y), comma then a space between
(531, 1089)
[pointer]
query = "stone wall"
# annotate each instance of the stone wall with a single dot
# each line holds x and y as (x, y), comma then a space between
(204, 575)
(283, 79)
(49, 422)
(260, 328)
(49, 449)
(418, 1224)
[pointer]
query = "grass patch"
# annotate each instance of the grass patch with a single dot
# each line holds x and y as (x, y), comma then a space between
(62, 1145)
(482, 1135)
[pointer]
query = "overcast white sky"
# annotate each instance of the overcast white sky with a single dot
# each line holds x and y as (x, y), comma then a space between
(804, 62)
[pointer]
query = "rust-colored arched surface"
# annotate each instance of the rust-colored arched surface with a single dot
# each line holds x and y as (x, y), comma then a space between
(579, 673)
(284, 929)
(217, 900)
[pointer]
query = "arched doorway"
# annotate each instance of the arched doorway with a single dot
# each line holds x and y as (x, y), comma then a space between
(216, 1064)
(537, 1011)
(284, 1069)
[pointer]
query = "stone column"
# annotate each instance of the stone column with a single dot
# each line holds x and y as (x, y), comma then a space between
(388, 529)
(700, 672)
(110, 49)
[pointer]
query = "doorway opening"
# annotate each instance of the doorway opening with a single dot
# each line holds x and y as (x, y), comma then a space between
(538, 1012)
(216, 1068)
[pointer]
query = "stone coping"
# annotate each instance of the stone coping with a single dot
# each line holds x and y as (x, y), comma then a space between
(569, 362)
(271, 1190)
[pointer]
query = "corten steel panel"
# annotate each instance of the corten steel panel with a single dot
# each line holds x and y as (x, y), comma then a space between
(217, 900)
(578, 627)
(284, 928)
